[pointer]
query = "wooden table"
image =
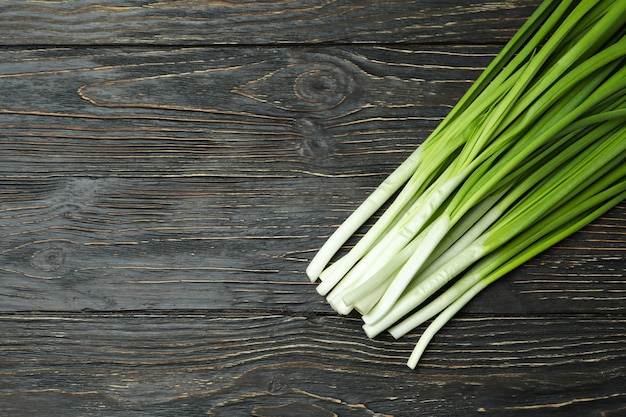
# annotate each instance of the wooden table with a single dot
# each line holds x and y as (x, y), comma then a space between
(168, 169)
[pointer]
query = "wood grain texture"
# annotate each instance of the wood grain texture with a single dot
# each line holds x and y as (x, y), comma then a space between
(276, 365)
(88, 22)
(168, 169)
(214, 174)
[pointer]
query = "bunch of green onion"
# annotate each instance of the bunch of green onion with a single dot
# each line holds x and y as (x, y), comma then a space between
(535, 150)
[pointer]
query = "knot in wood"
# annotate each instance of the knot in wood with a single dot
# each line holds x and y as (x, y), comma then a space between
(48, 259)
(316, 143)
(275, 386)
(324, 85)
(312, 86)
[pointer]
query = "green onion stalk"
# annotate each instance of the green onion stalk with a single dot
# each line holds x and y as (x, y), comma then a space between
(534, 151)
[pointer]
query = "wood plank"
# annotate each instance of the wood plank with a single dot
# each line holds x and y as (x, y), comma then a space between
(167, 170)
(270, 365)
(205, 178)
(92, 22)
(253, 106)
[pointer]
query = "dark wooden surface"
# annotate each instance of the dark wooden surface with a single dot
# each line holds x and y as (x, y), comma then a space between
(168, 169)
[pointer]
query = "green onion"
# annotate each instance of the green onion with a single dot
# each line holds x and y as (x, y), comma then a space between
(535, 150)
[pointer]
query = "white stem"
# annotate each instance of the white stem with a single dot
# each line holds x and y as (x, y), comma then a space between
(465, 241)
(441, 320)
(370, 246)
(433, 236)
(371, 204)
(437, 305)
(426, 286)
(374, 281)
(365, 304)
(365, 273)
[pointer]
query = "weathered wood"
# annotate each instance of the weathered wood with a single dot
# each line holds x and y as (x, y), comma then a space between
(274, 365)
(88, 22)
(206, 178)
(167, 170)
(195, 110)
